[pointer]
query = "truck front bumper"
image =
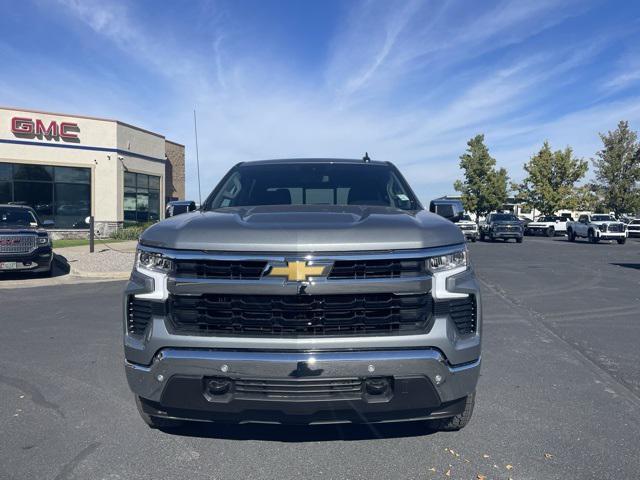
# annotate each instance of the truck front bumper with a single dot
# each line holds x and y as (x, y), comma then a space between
(37, 261)
(506, 234)
(612, 235)
(302, 387)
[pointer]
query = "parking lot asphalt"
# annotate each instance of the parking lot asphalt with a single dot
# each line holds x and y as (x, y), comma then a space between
(559, 396)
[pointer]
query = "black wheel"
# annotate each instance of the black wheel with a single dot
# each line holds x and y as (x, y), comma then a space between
(473, 239)
(519, 239)
(482, 236)
(458, 422)
(622, 241)
(156, 422)
(492, 238)
(551, 232)
(571, 236)
(592, 237)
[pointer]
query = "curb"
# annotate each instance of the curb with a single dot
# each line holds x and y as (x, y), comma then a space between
(105, 275)
(75, 272)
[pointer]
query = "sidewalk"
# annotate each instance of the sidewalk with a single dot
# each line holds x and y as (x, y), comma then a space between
(113, 261)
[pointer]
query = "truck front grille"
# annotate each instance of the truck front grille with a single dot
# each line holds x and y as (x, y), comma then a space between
(17, 243)
(221, 269)
(615, 227)
(301, 315)
(298, 389)
(362, 269)
(507, 228)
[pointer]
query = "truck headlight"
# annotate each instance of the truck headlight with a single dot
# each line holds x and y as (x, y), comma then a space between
(42, 241)
(153, 261)
(449, 261)
(603, 228)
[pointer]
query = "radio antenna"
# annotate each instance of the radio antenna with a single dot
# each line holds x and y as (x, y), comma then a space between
(195, 129)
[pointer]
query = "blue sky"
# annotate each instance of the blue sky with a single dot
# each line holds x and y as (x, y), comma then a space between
(406, 81)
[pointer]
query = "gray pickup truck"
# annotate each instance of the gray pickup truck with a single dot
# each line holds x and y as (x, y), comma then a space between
(304, 291)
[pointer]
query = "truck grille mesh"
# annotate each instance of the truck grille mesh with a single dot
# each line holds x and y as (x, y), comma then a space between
(362, 269)
(17, 243)
(221, 269)
(299, 389)
(301, 315)
(341, 270)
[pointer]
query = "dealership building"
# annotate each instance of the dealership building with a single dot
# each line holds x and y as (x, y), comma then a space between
(69, 167)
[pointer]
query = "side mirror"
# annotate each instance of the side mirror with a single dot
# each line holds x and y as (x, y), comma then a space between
(48, 223)
(451, 212)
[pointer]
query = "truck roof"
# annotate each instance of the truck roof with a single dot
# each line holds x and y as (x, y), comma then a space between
(284, 161)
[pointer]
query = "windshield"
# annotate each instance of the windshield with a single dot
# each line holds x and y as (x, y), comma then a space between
(503, 217)
(313, 184)
(602, 218)
(466, 218)
(18, 217)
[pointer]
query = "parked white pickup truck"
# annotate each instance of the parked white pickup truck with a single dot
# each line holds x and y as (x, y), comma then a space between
(548, 225)
(597, 227)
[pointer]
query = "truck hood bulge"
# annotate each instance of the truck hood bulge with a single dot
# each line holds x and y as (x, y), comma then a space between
(303, 228)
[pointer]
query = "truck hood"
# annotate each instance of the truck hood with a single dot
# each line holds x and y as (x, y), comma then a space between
(607, 222)
(303, 228)
(544, 224)
(13, 229)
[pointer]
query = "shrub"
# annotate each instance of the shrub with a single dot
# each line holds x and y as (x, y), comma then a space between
(132, 232)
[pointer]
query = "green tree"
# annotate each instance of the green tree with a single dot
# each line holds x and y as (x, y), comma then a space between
(551, 178)
(484, 188)
(617, 169)
(586, 198)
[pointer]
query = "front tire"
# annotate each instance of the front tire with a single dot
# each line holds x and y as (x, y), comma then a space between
(519, 239)
(458, 422)
(571, 236)
(551, 232)
(156, 422)
(482, 236)
(622, 241)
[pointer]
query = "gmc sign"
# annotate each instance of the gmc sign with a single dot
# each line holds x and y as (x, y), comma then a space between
(32, 128)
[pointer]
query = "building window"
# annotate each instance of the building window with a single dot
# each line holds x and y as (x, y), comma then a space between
(141, 198)
(61, 194)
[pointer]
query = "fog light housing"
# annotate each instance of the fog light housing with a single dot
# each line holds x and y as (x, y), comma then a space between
(218, 385)
(376, 386)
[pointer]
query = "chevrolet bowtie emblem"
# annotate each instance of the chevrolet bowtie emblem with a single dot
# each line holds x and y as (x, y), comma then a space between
(297, 271)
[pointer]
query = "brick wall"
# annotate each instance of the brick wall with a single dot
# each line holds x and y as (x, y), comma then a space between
(174, 178)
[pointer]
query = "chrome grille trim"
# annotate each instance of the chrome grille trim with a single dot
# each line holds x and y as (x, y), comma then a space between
(17, 243)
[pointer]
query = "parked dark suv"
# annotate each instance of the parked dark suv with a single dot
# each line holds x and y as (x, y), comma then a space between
(24, 244)
(502, 225)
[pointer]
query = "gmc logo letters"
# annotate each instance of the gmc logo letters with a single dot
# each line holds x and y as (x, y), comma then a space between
(30, 128)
